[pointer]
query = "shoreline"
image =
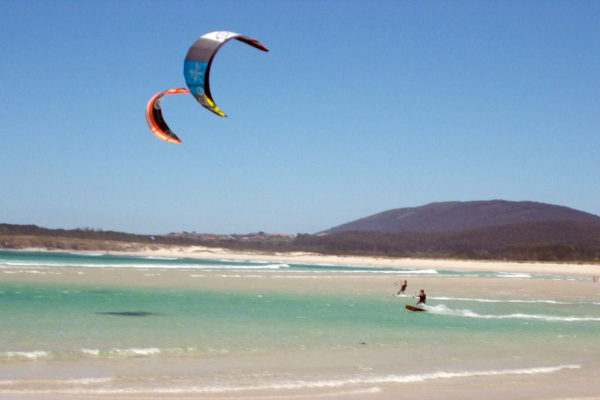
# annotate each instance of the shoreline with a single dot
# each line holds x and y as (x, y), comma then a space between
(209, 253)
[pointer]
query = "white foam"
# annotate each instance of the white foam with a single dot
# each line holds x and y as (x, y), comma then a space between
(151, 351)
(88, 254)
(70, 381)
(443, 310)
(25, 355)
(240, 276)
(267, 266)
(362, 270)
(91, 352)
(182, 266)
(409, 272)
(497, 300)
(244, 261)
(306, 384)
(382, 379)
(137, 352)
(513, 275)
(87, 381)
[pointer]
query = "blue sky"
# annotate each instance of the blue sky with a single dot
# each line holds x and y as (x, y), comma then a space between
(359, 107)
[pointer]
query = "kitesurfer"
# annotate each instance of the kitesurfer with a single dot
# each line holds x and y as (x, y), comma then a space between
(402, 288)
(422, 298)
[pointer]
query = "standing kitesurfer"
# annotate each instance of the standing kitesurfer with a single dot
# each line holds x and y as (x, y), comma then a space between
(422, 298)
(402, 288)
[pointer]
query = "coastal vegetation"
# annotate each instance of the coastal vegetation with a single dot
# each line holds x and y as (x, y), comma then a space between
(530, 241)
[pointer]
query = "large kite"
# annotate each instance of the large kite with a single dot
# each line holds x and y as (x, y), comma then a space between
(196, 70)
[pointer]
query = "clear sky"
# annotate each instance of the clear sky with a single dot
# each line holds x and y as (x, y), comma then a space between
(359, 107)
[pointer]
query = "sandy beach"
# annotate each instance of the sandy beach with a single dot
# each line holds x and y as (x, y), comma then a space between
(311, 258)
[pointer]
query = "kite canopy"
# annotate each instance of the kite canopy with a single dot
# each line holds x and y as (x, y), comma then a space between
(155, 119)
(196, 67)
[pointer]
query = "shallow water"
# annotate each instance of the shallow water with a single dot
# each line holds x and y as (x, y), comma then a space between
(91, 339)
(19, 261)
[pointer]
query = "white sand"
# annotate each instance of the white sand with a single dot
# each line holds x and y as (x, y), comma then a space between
(312, 258)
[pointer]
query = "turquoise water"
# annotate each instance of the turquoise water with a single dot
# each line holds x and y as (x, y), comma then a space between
(119, 339)
(45, 259)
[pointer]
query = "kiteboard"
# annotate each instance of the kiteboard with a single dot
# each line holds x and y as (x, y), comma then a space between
(413, 308)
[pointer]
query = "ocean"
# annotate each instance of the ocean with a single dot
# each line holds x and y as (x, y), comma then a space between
(105, 325)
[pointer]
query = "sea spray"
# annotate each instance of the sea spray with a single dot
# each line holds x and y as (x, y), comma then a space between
(479, 300)
(442, 309)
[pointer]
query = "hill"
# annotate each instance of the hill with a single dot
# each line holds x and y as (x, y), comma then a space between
(463, 216)
(533, 241)
(469, 230)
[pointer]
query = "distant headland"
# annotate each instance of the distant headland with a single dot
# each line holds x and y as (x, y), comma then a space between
(480, 230)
